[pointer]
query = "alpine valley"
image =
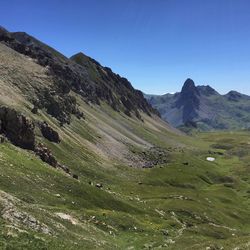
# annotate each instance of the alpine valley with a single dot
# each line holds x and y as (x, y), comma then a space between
(87, 163)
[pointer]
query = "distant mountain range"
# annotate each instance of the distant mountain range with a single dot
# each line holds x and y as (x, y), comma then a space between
(203, 107)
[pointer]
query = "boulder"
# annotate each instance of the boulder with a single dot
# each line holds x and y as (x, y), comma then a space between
(75, 176)
(2, 139)
(64, 168)
(45, 154)
(99, 185)
(34, 110)
(49, 133)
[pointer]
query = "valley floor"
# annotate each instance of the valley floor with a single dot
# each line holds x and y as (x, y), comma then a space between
(187, 203)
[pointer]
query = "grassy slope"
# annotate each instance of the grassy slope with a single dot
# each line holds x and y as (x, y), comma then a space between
(171, 206)
(195, 203)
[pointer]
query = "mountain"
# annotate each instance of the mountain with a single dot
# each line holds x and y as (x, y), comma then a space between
(87, 163)
(203, 107)
(92, 81)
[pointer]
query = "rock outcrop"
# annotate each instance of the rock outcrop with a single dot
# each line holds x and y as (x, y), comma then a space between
(20, 130)
(49, 133)
(110, 87)
(17, 128)
(46, 155)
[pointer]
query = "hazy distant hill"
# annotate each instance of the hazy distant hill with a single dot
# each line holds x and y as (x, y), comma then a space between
(203, 107)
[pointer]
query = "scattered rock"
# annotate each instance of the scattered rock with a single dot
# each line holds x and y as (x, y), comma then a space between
(64, 168)
(165, 232)
(16, 217)
(45, 154)
(34, 110)
(67, 217)
(75, 176)
(170, 241)
(99, 185)
(153, 156)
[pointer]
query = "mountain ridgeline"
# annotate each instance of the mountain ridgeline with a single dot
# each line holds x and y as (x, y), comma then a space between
(80, 74)
(203, 107)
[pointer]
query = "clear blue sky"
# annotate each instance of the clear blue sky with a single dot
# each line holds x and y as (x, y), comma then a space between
(156, 44)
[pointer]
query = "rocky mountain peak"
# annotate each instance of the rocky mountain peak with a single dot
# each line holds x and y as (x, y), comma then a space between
(188, 93)
(235, 96)
(234, 93)
(188, 86)
(189, 100)
(79, 54)
(83, 60)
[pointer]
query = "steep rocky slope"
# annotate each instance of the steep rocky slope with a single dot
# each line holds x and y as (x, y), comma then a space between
(203, 107)
(90, 80)
(78, 173)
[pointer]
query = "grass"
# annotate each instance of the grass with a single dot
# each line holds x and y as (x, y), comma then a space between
(187, 203)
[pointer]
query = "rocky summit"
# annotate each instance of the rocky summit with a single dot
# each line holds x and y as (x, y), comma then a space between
(203, 107)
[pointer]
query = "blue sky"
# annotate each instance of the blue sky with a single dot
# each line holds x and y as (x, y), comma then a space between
(156, 44)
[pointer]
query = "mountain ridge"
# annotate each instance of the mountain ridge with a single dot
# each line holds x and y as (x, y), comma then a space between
(69, 75)
(203, 107)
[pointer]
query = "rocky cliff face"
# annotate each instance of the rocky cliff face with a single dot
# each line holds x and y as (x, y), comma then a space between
(204, 108)
(81, 75)
(113, 88)
(20, 131)
(18, 128)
